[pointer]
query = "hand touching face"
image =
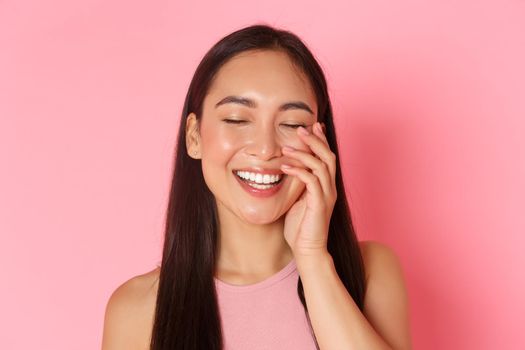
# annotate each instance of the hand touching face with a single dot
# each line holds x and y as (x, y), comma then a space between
(253, 108)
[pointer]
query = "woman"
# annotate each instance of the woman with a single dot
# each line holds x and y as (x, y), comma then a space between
(260, 251)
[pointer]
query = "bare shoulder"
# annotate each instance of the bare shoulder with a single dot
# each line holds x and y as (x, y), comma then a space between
(377, 255)
(129, 313)
(386, 303)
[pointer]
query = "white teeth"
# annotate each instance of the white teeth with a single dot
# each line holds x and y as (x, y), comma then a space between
(261, 187)
(258, 178)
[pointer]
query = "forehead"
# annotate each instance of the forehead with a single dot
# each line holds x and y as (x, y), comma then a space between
(267, 76)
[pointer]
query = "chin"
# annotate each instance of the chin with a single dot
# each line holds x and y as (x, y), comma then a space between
(258, 219)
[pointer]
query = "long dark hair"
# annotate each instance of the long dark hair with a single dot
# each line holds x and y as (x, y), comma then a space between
(187, 314)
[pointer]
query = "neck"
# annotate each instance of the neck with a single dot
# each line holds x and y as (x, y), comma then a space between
(251, 249)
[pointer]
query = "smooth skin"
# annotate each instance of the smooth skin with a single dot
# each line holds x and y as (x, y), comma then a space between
(252, 243)
(129, 313)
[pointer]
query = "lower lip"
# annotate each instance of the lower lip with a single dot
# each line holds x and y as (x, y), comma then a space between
(260, 192)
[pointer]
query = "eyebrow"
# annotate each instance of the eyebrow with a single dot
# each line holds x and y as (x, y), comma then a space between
(252, 104)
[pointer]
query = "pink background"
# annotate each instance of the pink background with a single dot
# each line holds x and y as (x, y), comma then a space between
(429, 108)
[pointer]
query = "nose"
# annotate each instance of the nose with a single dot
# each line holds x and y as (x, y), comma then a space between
(264, 144)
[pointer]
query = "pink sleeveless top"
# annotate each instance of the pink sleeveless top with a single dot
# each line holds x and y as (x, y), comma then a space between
(264, 315)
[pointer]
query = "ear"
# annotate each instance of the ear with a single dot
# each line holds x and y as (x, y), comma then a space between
(193, 144)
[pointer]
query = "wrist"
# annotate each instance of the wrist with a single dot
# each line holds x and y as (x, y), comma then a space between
(313, 258)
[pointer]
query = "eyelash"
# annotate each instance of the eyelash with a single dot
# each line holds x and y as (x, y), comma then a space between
(233, 121)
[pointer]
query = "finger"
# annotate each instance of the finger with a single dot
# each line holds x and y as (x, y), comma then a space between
(319, 131)
(317, 165)
(321, 149)
(312, 184)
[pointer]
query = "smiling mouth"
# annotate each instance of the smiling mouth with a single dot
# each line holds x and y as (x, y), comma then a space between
(282, 177)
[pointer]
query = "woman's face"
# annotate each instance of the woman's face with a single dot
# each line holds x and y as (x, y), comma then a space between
(269, 80)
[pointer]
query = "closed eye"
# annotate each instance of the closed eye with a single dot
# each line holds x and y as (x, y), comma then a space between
(295, 126)
(233, 121)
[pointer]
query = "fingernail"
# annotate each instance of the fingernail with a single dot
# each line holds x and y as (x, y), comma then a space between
(303, 131)
(318, 127)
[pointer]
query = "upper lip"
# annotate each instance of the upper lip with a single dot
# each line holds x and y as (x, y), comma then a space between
(261, 170)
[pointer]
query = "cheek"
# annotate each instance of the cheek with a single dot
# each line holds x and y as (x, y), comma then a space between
(219, 144)
(297, 143)
(292, 139)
